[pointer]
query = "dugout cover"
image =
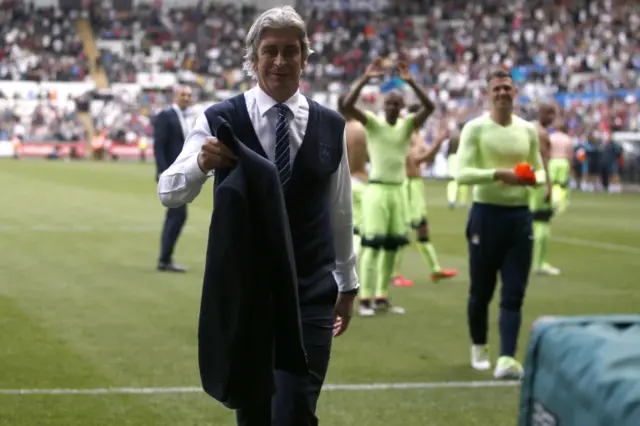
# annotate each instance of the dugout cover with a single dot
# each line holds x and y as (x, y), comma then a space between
(582, 371)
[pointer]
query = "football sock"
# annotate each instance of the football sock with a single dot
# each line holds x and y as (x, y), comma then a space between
(428, 253)
(540, 243)
(386, 260)
(368, 272)
(398, 262)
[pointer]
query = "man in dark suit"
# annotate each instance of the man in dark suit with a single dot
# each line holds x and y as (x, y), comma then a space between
(170, 129)
(305, 141)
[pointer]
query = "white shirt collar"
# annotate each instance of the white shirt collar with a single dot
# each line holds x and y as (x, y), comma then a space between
(265, 102)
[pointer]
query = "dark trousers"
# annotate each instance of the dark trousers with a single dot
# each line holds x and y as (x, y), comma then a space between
(500, 239)
(173, 223)
(605, 176)
(294, 403)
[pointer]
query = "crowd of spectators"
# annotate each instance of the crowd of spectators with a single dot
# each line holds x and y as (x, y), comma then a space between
(40, 120)
(449, 44)
(39, 44)
(125, 116)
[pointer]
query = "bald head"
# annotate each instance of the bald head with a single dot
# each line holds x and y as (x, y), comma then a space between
(395, 95)
(182, 95)
(545, 108)
(546, 114)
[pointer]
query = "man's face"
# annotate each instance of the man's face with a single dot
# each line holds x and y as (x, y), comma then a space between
(280, 62)
(393, 104)
(502, 92)
(183, 97)
(547, 116)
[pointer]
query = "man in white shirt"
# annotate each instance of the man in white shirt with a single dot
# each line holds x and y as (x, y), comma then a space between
(306, 142)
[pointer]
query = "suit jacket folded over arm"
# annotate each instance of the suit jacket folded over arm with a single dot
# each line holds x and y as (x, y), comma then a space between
(250, 318)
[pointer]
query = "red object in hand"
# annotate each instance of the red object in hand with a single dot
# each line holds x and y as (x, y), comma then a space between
(525, 172)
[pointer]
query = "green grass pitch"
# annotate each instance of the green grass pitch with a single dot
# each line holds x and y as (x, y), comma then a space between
(81, 307)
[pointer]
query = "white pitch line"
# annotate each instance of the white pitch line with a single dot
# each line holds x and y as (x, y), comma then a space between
(422, 385)
(597, 244)
(336, 387)
(620, 248)
(79, 228)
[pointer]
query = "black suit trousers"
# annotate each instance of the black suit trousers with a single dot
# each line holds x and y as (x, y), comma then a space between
(294, 403)
(173, 223)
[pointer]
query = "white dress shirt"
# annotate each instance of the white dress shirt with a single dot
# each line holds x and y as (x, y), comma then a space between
(182, 181)
(184, 115)
(182, 119)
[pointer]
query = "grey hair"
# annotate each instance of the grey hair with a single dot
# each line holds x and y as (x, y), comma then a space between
(275, 18)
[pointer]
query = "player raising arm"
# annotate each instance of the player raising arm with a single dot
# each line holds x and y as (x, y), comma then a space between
(384, 229)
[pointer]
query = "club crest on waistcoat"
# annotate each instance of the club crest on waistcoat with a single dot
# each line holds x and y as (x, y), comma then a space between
(325, 152)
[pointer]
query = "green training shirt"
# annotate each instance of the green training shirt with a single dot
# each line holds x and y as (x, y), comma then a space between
(388, 146)
(486, 146)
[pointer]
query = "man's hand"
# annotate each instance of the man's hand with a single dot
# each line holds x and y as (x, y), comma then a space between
(404, 73)
(343, 311)
(215, 155)
(374, 69)
(509, 177)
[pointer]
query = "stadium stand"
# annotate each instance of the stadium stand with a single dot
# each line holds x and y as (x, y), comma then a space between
(39, 44)
(579, 54)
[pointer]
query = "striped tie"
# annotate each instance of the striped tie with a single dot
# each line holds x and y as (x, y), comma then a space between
(282, 145)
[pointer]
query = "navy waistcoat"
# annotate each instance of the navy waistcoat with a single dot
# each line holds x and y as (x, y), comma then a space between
(308, 194)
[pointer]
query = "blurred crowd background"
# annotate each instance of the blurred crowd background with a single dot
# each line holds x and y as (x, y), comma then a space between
(85, 70)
